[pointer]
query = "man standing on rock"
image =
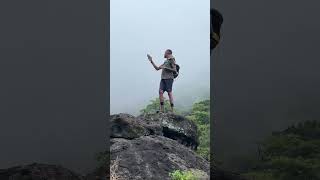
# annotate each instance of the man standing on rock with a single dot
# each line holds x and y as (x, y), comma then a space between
(167, 76)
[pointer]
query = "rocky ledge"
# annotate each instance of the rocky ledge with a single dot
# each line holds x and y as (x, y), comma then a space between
(151, 146)
(172, 126)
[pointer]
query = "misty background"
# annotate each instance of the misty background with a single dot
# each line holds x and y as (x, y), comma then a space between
(143, 26)
(266, 72)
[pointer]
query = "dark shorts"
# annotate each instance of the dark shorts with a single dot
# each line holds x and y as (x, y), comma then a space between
(166, 85)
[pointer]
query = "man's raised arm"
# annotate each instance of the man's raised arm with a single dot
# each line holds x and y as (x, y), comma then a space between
(155, 66)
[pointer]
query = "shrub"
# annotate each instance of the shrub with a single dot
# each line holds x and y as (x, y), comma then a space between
(182, 175)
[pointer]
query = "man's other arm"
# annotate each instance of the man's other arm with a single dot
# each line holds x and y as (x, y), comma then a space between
(173, 62)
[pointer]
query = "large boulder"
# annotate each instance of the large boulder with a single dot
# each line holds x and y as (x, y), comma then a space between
(163, 124)
(151, 146)
(37, 171)
(126, 126)
(175, 127)
(153, 157)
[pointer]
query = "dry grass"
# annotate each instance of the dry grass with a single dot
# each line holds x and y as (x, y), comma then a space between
(113, 169)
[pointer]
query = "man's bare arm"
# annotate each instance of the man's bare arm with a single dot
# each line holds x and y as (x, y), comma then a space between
(155, 66)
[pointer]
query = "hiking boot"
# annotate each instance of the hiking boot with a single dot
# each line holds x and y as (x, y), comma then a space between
(159, 112)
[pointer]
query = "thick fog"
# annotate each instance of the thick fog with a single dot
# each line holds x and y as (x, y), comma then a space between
(144, 26)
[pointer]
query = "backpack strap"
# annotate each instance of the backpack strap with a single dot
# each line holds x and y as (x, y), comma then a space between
(170, 60)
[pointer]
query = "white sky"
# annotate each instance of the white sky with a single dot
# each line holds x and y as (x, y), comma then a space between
(139, 27)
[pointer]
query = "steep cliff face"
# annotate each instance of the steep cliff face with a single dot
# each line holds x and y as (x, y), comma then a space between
(152, 146)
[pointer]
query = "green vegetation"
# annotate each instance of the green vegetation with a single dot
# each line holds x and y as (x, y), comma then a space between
(183, 175)
(200, 115)
(291, 154)
(154, 106)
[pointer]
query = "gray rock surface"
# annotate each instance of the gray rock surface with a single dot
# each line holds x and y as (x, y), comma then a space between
(168, 125)
(153, 145)
(153, 157)
(175, 127)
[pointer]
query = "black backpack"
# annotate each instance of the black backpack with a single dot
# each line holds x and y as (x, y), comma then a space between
(175, 74)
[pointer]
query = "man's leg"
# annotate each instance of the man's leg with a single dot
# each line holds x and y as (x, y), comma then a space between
(171, 100)
(161, 100)
(161, 91)
(170, 83)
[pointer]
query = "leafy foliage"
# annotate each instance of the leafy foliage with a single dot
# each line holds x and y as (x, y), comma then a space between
(154, 106)
(202, 106)
(292, 154)
(200, 115)
(182, 175)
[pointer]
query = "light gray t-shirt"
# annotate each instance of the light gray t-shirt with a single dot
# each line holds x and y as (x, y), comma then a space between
(168, 74)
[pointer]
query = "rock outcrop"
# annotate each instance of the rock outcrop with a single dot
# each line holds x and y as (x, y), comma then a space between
(152, 146)
(175, 127)
(169, 125)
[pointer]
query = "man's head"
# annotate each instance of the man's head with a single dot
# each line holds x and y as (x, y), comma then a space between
(167, 53)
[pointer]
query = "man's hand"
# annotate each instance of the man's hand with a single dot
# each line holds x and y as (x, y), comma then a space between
(149, 57)
(155, 67)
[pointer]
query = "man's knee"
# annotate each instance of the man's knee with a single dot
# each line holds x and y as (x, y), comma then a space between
(161, 92)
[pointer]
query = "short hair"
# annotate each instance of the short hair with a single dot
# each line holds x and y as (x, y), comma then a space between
(170, 51)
